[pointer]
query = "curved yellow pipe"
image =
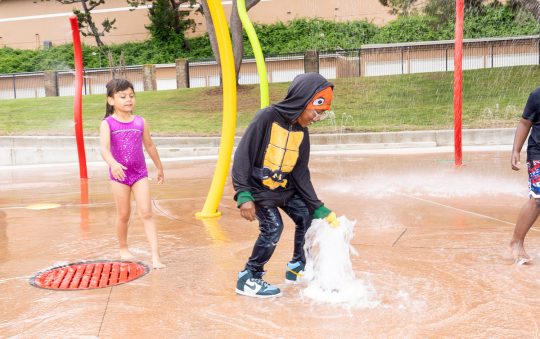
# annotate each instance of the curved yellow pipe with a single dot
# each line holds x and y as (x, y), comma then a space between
(210, 208)
(257, 51)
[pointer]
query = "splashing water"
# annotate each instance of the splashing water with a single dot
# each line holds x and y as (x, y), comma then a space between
(438, 184)
(328, 271)
(342, 127)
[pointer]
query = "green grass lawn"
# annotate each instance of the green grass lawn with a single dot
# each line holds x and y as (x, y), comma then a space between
(491, 98)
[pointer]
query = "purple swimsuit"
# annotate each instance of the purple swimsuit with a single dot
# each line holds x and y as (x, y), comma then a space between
(127, 148)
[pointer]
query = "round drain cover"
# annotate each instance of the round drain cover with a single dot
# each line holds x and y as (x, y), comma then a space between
(89, 275)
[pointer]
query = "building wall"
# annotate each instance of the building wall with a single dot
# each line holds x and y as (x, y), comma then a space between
(27, 24)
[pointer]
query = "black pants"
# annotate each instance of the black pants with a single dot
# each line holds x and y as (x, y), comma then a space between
(271, 226)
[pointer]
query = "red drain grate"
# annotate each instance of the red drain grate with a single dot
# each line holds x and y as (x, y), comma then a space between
(89, 275)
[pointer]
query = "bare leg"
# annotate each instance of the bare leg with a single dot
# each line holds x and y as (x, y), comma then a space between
(527, 216)
(122, 198)
(141, 191)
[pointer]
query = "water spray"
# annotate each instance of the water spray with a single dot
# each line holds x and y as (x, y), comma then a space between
(329, 273)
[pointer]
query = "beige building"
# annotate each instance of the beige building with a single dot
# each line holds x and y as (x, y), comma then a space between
(31, 24)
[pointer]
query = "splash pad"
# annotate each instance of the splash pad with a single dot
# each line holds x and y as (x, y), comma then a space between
(435, 257)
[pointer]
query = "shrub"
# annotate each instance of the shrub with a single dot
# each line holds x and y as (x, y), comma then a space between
(297, 35)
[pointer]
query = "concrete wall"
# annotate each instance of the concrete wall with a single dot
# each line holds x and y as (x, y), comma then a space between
(29, 150)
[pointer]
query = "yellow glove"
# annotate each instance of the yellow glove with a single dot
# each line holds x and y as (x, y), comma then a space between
(332, 220)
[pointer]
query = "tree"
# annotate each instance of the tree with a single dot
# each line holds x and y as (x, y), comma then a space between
(87, 25)
(436, 8)
(445, 10)
(399, 7)
(236, 32)
(168, 22)
(532, 6)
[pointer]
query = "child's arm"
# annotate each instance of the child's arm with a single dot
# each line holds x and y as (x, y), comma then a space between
(522, 131)
(117, 169)
(152, 152)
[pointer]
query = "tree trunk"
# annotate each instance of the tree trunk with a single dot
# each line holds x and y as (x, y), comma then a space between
(237, 36)
(176, 8)
(237, 39)
(211, 30)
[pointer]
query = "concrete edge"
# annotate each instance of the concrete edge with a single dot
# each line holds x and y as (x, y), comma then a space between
(35, 150)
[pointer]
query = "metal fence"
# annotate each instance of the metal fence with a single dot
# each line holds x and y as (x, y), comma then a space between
(95, 79)
(32, 85)
(370, 60)
(22, 85)
(439, 56)
(281, 68)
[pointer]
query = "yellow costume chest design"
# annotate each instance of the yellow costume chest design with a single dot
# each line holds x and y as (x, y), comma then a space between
(281, 155)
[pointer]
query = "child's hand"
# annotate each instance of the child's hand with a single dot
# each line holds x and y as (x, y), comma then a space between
(247, 210)
(516, 163)
(160, 177)
(117, 171)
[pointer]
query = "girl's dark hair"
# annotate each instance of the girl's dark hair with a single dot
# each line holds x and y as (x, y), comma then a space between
(114, 86)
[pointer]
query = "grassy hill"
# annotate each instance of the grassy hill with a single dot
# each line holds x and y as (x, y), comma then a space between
(491, 98)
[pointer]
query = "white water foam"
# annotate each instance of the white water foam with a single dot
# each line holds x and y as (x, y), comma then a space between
(329, 272)
(437, 184)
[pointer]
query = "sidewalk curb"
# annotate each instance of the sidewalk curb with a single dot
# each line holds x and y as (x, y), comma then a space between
(28, 150)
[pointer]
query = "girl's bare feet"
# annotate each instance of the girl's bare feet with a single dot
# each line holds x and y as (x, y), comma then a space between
(518, 252)
(125, 254)
(157, 264)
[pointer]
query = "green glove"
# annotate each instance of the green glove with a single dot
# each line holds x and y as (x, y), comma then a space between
(325, 213)
(321, 212)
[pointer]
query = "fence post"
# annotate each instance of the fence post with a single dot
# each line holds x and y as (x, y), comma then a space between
(149, 77)
(311, 61)
(84, 81)
(51, 83)
(492, 55)
(446, 58)
(14, 82)
(182, 73)
(408, 59)
(402, 60)
(360, 62)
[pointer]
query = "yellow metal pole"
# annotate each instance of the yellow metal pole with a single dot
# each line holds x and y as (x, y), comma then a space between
(257, 51)
(210, 208)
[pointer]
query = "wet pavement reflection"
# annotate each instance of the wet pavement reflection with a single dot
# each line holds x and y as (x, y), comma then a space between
(432, 242)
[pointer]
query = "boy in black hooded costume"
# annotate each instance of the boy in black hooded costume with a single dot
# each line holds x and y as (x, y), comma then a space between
(270, 170)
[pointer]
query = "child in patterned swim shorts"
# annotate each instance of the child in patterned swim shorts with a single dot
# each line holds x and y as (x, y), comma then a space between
(530, 122)
(122, 136)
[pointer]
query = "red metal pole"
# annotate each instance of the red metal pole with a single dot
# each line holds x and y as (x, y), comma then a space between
(458, 81)
(77, 97)
(84, 205)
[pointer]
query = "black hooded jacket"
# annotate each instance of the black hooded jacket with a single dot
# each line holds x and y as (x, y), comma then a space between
(271, 161)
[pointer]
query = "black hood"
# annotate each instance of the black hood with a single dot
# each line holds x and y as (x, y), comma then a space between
(301, 91)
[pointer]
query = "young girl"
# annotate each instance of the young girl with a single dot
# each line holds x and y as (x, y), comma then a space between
(122, 135)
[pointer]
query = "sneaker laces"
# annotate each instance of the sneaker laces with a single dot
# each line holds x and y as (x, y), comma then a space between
(261, 282)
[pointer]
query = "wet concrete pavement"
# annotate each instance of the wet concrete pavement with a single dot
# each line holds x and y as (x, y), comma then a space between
(431, 240)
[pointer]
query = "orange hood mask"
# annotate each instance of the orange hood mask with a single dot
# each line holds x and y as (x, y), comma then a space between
(321, 100)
